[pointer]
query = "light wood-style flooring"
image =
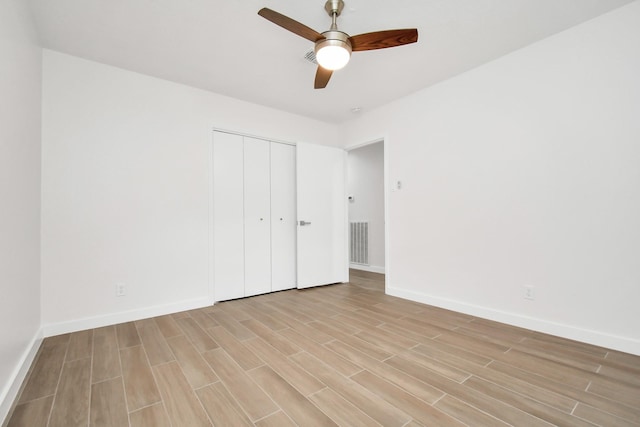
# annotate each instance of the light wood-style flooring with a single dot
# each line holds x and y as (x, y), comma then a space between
(344, 355)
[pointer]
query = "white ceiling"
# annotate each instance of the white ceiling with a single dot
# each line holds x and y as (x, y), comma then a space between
(225, 47)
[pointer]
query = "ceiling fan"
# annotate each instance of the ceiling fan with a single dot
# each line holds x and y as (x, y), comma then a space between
(333, 47)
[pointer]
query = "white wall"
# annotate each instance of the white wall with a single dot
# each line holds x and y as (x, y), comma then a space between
(524, 171)
(125, 195)
(20, 82)
(365, 167)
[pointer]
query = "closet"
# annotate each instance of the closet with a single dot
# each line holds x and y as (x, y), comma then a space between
(254, 216)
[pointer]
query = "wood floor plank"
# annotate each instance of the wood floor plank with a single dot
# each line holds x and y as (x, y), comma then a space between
(108, 405)
(333, 359)
(305, 383)
(417, 328)
(442, 368)
(195, 368)
(616, 408)
(154, 342)
(203, 319)
(550, 369)
(478, 346)
(235, 328)
(80, 345)
(367, 401)
(385, 310)
(340, 410)
(442, 317)
(456, 357)
(279, 419)
(150, 416)
(45, 374)
(196, 334)
(600, 418)
(344, 327)
(618, 373)
(418, 409)
(540, 394)
(402, 306)
(235, 348)
(253, 400)
(364, 346)
(181, 403)
(298, 315)
(467, 413)
(106, 358)
(258, 313)
(281, 320)
(62, 339)
(493, 332)
(180, 315)
(570, 344)
(34, 413)
(127, 335)
(73, 394)
(356, 320)
(530, 406)
(222, 407)
(487, 404)
(310, 332)
(630, 360)
(294, 404)
(234, 309)
(301, 302)
(575, 357)
(407, 382)
(139, 384)
(616, 390)
(284, 346)
(380, 341)
(168, 326)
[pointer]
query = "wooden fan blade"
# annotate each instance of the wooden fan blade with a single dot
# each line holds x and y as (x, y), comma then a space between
(290, 24)
(383, 39)
(322, 78)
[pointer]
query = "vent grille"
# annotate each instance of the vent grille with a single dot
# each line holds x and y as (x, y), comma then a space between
(359, 242)
(311, 57)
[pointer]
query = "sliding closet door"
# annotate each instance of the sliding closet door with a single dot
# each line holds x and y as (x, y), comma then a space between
(283, 216)
(257, 217)
(228, 216)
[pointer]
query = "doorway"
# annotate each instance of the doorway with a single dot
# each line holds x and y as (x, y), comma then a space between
(366, 195)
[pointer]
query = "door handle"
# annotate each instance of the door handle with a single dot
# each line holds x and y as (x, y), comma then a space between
(303, 223)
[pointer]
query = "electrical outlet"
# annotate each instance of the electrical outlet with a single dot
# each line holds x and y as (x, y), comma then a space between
(529, 292)
(121, 289)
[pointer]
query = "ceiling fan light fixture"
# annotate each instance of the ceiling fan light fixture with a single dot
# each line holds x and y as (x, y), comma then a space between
(333, 48)
(334, 52)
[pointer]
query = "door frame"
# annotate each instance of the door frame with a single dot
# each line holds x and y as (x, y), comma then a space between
(385, 154)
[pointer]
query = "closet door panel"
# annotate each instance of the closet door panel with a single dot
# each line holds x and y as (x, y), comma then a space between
(283, 216)
(257, 217)
(228, 216)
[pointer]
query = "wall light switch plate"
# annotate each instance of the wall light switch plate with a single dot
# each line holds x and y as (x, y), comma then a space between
(121, 289)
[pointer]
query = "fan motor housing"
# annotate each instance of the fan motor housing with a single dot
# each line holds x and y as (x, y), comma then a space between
(334, 38)
(334, 6)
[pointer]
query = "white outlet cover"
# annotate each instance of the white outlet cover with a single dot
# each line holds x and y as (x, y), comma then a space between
(529, 292)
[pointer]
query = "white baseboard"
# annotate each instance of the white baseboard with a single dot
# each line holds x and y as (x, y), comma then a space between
(125, 316)
(624, 344)
(12, 388)
(369, 268)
